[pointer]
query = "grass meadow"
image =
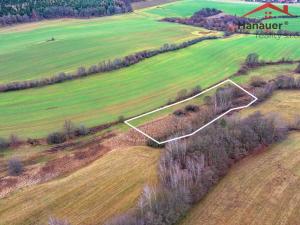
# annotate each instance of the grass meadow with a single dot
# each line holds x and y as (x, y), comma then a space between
(26, 54)
(134, 90)
(284, 102)
(262, 189)
(188, 7)
(91, 195)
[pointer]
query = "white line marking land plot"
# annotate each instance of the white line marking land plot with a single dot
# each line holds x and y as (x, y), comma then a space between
(188, 99)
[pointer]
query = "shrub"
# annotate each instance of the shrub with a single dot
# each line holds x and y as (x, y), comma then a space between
(3, 144)
(14, 140)
(33, 141)
(56, 138)
(15, 167)
(257, 81)
(191, 108)
(208, 100)
(196, 90)
(153, 144)
(69, 128)
(179, 112)
(252, 60)
(121, 119)
(297, 70)
(242, 71)
(81, 131)
(55, 221)
(182, 94)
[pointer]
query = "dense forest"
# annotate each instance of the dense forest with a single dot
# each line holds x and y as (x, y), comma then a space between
(20, 11)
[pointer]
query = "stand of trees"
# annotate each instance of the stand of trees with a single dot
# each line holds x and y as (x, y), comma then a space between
(252, 61)
(188, 168)
(21, 11)
(105, 66)
(226, 23)
(209, 19)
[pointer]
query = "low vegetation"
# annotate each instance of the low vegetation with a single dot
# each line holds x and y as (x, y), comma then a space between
(70, 130)
(298, 69)
(15, 167)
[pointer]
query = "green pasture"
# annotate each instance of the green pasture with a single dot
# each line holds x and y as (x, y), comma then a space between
(25, 52)
(134, 90)
(292, 24)
(188, 7)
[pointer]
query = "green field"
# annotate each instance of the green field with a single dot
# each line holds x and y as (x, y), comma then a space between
(188, 7)
(26, 54)
(134, 90)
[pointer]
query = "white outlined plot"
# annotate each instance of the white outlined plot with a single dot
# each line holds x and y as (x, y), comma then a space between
(185, 100)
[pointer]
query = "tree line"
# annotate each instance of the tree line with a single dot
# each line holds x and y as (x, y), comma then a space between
(21, 11)
(226, 23)
(252, 61)
(105, 66)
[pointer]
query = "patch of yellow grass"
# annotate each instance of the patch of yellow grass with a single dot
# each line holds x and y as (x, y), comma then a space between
(91, 195)
(262, 189)
(285, 103)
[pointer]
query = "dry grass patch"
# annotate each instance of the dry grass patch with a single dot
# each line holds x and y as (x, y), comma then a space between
(91, 195)
(285, 103)
(263, 189)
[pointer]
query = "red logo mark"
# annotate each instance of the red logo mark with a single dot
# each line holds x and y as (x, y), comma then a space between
(268, 5)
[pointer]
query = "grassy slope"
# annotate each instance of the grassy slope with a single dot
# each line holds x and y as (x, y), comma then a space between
(26, 54)
(285, 102)
(133, 90)
(262, 189)
(89, 196)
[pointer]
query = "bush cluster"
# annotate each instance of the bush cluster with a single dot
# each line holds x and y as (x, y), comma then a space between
(3, 143)
(69, 131)
(15, 167)
(282, 82)
(12, 141)
(56, 138)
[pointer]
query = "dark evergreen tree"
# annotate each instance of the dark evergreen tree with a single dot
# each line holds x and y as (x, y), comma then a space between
(20, 11)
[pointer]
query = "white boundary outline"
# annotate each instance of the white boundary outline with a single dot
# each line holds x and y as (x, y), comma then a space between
(196, 131)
